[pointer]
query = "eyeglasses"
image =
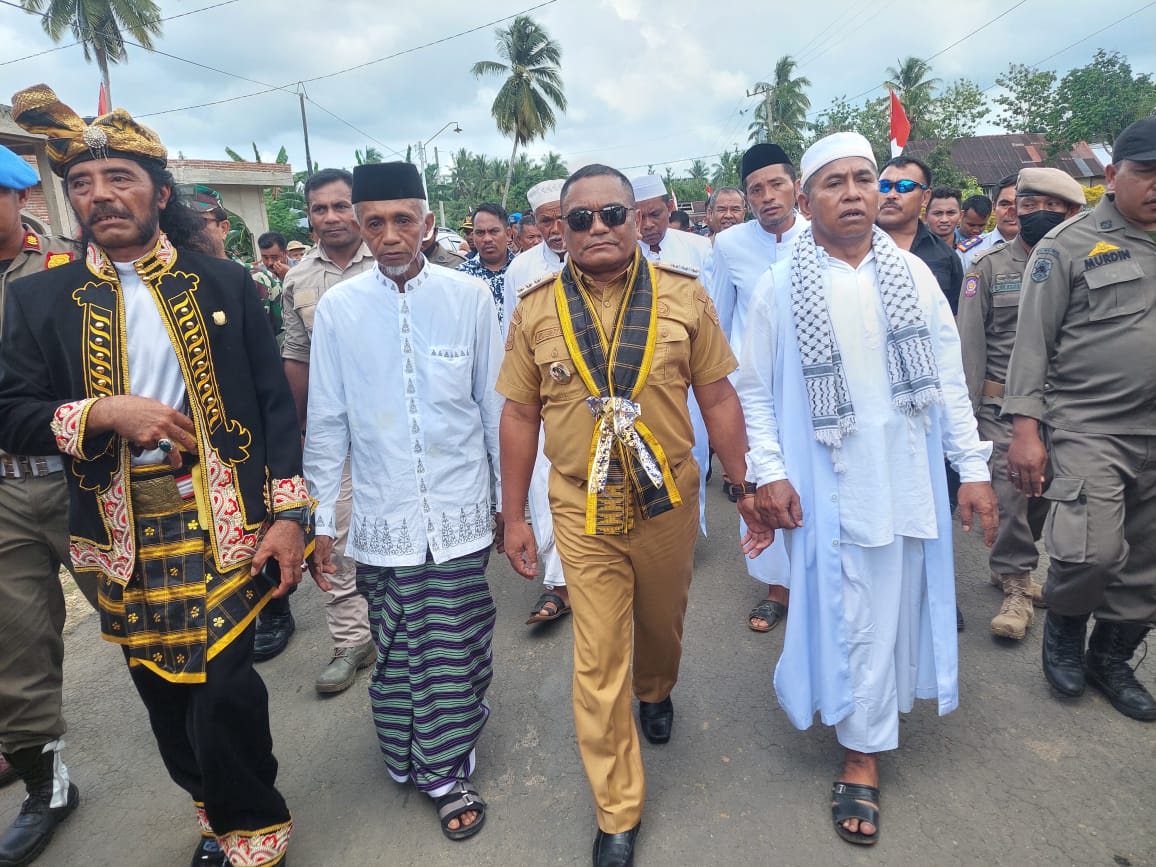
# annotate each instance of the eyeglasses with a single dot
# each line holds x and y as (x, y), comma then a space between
(903, 186)
(581, 219)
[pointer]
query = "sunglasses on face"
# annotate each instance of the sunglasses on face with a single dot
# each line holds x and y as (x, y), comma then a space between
(903, 186)
(581, 219)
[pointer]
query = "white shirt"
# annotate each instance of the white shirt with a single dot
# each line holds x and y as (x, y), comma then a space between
(404, 383)
(885, 490)
(528, 268)
(741, 256)
(153, 368)
(683, 249)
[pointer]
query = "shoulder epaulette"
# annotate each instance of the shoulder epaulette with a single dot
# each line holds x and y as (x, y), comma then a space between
(983, 254)
(964, 246)
(684, 270)
(535, 284)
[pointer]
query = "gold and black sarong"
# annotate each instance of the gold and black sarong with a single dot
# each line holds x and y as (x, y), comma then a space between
(178, 610)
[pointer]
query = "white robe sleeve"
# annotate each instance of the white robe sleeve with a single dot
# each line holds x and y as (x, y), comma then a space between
(488, 353)
(327, 427)
(716, 278)
(754, 382)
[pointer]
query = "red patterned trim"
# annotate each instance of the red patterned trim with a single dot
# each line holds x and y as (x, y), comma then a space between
(235, 544)
(291, 493)
(254, 848)
(68, 427)
(117, 560)
(203, 820)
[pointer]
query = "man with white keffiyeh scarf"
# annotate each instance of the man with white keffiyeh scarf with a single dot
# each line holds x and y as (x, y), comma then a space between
(853, 389)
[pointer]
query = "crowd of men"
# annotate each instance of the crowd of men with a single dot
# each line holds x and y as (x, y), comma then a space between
(183, 433)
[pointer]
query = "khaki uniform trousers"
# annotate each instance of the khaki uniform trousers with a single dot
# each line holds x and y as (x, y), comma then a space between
(1099, 531)
(33, 545)
(346, 611)
(623, 587)
(1021, 519)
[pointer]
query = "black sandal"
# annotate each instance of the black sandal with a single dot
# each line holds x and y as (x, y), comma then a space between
(561, 608)
(769, 610)
(847, 803)
(462, 798)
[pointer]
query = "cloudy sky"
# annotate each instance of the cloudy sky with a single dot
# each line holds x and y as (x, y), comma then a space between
(648, 82)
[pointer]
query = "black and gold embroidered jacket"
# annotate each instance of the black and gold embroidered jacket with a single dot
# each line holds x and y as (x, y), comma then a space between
(64, 346)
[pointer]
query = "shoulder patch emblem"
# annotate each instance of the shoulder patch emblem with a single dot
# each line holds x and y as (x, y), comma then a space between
(31, 242)
(54, 260)
(1102, 247)
(1041, 270)
(971, 285)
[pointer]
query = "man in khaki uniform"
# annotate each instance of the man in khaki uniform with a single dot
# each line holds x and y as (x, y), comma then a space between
(625, 521)
(33, 546)
(1084, 369)
(340, 254)
(988, 309)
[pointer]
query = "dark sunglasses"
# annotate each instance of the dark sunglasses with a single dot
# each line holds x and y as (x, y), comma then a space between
(903, 186)
(581, 219)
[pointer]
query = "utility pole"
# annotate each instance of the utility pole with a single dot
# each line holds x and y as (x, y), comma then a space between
(765, 92)
(305, 130)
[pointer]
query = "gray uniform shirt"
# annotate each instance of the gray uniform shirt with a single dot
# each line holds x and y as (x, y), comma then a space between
(989, 305)
(1085, 350)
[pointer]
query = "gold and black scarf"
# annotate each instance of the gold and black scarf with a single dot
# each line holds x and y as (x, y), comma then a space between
(625, 458)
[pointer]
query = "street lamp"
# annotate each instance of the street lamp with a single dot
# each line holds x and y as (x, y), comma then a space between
(421, 146)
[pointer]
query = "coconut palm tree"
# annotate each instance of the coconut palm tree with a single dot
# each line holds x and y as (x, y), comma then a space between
(524, 107)
(915, 88)
(697, 171)
(781, 117)
(100, 26)
(726, 170)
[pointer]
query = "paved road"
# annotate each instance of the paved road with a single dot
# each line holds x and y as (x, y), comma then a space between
(1012, 777)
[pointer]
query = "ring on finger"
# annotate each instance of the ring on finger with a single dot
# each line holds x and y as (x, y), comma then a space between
(165, 445)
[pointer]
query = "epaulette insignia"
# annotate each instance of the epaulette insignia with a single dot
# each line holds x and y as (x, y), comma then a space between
(1102, 247)
(535, 284)
(964, 246)
(684, 270)
(54, 260)
(31, 242)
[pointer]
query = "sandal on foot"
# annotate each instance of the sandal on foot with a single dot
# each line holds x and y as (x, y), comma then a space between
(547, 599)
(769, 610)
(462, 798)
(847, 803)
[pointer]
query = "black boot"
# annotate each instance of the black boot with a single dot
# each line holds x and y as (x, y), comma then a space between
(275, 625)
(32, 830)
(1110, 650)
(1064, 652)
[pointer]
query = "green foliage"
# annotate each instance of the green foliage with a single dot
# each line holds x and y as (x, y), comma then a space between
(524, 106)
(915, 88)
(781, 115)
(1025, 105)
(285, 209)
(368, 156)
(234, 156)
(872, 119)
(476, 178)
(726, 171)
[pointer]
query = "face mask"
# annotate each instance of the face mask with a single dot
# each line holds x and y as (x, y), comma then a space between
(1035, 225)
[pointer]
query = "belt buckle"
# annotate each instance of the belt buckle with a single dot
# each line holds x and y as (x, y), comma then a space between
(9, 466)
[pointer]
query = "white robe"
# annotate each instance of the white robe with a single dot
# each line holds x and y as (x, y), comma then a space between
(815, 671)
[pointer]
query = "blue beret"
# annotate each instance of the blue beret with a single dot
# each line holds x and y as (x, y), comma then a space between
(15, 174)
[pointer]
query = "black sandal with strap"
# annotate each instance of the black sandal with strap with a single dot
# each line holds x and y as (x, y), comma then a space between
(462, 798)
(769, 610)
(847, 803)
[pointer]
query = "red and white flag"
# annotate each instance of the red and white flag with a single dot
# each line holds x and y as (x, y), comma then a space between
(900, 126)
(102, 103)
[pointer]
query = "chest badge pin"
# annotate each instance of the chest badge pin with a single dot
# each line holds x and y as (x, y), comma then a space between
(559, 372)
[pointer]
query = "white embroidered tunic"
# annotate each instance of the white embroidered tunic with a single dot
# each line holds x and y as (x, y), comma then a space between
(404, 382)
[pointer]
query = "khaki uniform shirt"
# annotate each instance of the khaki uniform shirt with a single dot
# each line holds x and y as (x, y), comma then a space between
(439, 255)
(39, 253)
(1085, 350)
(690, 349)
(989, 306)
(304, 285)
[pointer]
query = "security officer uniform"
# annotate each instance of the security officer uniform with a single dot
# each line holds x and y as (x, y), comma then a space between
(1084, 364)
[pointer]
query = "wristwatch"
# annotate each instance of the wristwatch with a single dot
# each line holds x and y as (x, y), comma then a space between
(299, 515)
(749, 488)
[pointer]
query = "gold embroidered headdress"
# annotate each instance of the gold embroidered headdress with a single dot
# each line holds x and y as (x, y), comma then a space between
(71, 140)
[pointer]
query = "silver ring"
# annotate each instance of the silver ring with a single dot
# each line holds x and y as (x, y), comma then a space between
(165, 445)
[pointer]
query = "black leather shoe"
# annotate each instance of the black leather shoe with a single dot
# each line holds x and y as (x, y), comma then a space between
(615, 850)
(273, 633)
(32, 830)
(657, 719)
(1063, 655)
(210, 854)
(1108, 668)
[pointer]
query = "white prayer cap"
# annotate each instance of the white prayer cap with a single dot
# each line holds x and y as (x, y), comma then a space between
(836, 146)
(545, 193)
(648, 187)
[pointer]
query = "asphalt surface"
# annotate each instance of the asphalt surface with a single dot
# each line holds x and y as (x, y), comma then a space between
(1014, 776)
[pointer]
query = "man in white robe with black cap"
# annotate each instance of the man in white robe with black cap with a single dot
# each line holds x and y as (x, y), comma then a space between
(853, 389)
(530, 269)
(404, 362)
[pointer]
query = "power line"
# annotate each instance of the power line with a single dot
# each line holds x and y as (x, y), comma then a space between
(121, 29)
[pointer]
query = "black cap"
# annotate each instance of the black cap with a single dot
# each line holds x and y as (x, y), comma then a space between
(1137, 142)
(762, 155)
(382, 182)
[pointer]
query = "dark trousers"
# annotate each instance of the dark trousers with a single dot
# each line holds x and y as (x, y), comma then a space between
(214, 739)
